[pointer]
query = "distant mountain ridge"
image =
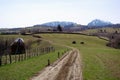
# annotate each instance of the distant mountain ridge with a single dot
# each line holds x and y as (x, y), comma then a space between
(66, 25)
(98, 22)
(62, 23)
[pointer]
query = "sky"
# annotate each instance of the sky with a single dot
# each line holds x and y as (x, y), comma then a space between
(24, 13)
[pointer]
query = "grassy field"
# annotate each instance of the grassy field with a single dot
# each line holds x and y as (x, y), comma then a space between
(108, 30)
(25, 69)
(99, 62)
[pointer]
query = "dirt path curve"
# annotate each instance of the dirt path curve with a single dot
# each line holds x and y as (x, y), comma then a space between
(68, 67)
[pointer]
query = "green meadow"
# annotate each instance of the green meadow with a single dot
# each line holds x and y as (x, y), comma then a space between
(108, 30)
(99, 62)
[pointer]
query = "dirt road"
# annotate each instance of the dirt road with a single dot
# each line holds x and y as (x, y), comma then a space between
(68, 67)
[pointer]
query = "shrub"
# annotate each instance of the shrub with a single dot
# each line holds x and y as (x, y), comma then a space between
(5, 45)
(37, 36)
(81, 42)
(74, 42)
(114, 42)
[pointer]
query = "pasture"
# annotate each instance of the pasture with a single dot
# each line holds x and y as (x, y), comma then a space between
(106, 30)
(99, 62)
(24, 69)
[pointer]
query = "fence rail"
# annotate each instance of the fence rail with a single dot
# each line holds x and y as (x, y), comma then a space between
(8, 58)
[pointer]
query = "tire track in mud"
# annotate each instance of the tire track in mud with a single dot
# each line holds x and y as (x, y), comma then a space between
(71, 70)
(66, 68)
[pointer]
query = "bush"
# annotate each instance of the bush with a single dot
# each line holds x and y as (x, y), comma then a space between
(81, 42)
(114, 42)
(37, 36)
(5, 44)
(74, 42)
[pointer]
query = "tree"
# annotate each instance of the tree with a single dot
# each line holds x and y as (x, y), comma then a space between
(114, 42)
(116, 32)
(59, 28)
(23, 32)
(105, 31)
(101, 30)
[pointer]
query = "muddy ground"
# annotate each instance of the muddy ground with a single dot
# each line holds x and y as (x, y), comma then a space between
(68, 67)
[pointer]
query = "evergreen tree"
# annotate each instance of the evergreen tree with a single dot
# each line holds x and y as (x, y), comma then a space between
(59, 28)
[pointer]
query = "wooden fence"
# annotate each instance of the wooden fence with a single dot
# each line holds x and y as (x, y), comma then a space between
(7, 58)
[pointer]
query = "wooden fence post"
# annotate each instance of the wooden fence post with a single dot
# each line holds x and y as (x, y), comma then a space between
(54, 49)
(48, 62)
(37, 52)
(19, 57)
(25, 57)
(6, 59)
(62, 53)
(43, 50)
(28, 53)
(58, 55)
(22, 57)
(15, 57)
(0, 60)
(10, 58)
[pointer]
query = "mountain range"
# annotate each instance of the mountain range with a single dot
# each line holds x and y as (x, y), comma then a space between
(56, 23)
(98, 22)
(66, 25)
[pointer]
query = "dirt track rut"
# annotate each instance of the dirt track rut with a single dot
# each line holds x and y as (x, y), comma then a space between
(67, 67)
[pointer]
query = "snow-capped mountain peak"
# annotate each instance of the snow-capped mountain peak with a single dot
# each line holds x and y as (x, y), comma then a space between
(62, 23)
(98, 22)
